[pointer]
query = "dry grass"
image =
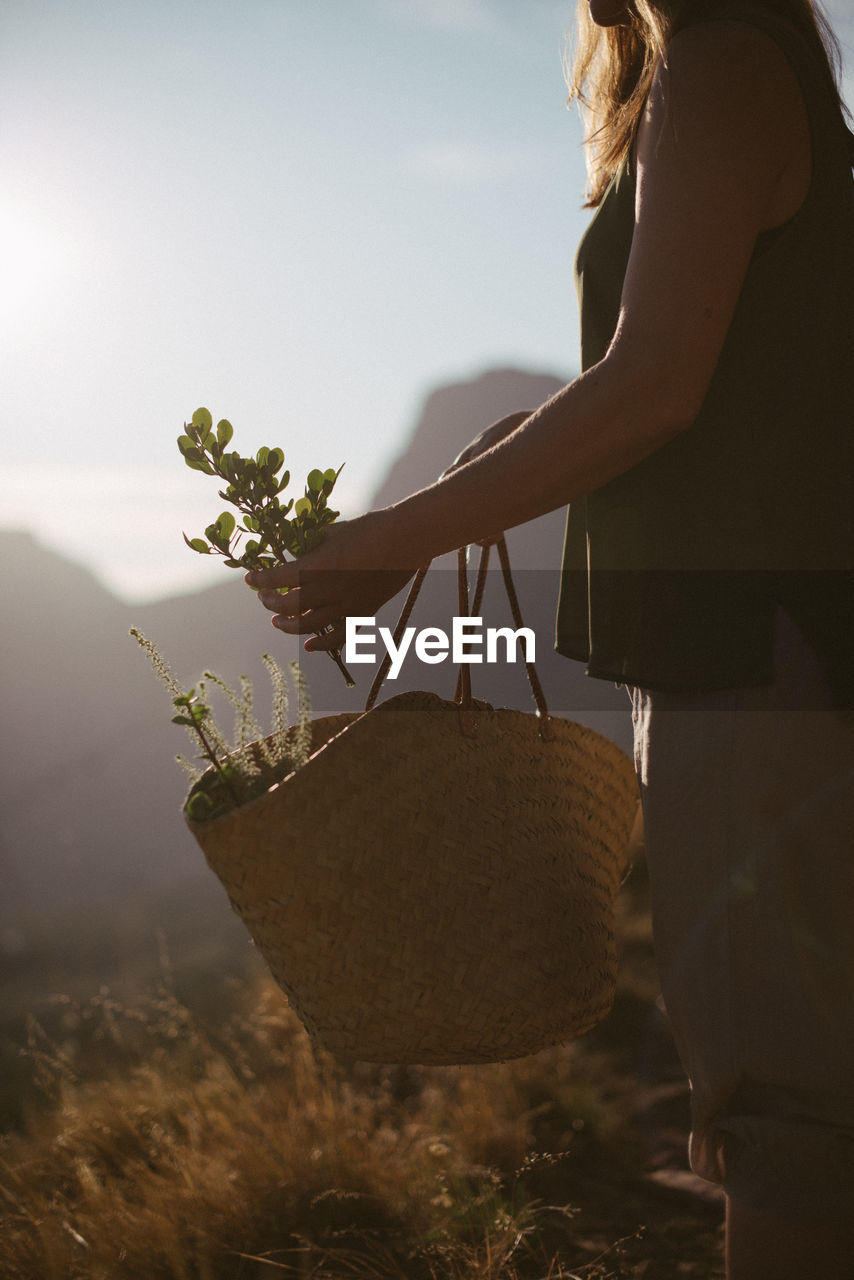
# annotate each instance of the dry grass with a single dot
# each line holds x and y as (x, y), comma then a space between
(166, 1149)
(167, 1144)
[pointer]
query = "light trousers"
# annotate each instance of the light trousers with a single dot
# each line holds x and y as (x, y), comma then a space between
(748, 802)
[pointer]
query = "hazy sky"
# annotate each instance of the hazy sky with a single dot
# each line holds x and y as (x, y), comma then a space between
(301, 213)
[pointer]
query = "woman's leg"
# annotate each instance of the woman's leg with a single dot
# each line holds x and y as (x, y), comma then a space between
(749, 824)
(763, 1246)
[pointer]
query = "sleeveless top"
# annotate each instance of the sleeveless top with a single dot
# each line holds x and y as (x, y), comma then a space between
(672, 573)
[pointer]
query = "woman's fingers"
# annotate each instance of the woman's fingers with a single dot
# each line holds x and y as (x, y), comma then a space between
(460, 460)
(313, 620)
(490, 436)
(333, 637)
(285, 575)
(295, 612)
(290, 605)
(348, 574)
(328, 597)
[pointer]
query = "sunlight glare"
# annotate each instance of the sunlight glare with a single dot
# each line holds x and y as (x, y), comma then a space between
(32, 260)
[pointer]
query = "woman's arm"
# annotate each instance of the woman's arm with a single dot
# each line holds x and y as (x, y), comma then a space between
(491, 435)
(716, 154)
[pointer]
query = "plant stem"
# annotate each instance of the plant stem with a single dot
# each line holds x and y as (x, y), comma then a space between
(211, 755)
(335, 655)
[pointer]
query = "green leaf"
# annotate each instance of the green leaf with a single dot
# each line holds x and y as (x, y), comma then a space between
(232, 466)
(315, 481)
(225, 525)
(302, 506)
(185, 443)
(331, 475)
(197, 544)
(217, 539)
(262, 457)
(224, 432)
(202, 420)
(197, 461)
(199, 807)
(275, 460)
(185, 720)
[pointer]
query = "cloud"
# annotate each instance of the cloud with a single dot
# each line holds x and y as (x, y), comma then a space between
(468, 164)
(443, 15)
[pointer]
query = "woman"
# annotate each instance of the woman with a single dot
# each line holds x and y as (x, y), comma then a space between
(707, 454)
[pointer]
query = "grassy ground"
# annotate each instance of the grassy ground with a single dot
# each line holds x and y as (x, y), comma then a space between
(193, 1134)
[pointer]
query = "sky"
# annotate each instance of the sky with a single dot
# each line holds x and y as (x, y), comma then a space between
(303, 214)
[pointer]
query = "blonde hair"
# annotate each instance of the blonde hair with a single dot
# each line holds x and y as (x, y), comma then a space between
(612, 68)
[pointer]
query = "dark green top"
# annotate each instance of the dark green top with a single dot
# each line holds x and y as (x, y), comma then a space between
(672, 572)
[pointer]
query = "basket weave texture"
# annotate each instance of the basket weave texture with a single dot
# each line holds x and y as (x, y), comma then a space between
(423, 896)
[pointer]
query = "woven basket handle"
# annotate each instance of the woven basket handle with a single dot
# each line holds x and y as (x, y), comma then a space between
(463, 695)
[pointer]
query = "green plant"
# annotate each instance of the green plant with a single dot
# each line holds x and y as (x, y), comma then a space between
(268, 533)
(237, 773)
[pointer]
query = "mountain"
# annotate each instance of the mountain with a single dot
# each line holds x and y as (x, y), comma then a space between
(90, 794)
(453, 415)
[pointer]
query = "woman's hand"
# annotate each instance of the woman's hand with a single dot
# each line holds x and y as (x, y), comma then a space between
(490, 436)
(359, 565)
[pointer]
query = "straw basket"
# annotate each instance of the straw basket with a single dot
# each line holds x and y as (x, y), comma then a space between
(437, 883)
